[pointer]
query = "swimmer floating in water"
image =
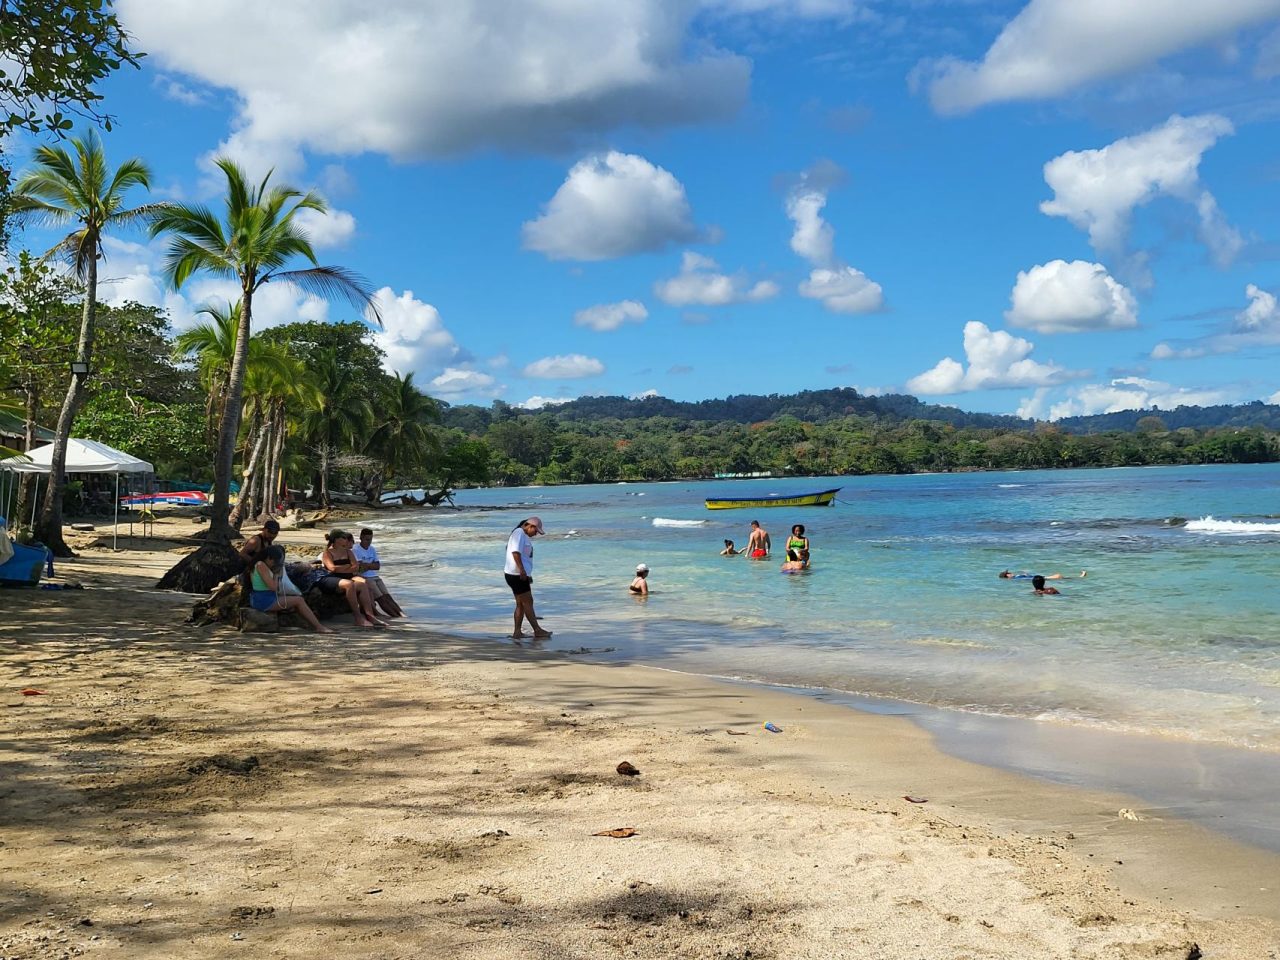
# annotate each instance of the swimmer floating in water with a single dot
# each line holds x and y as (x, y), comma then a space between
(1023, 575)
(1038, 587)
(797, 565)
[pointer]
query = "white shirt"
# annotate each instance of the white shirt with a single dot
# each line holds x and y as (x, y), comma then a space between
(367, 554)
(520, 543)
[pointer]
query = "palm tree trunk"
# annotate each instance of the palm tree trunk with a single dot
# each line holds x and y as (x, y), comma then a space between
(277, 458)
(228, 430)
(244, 507)
(49, 526)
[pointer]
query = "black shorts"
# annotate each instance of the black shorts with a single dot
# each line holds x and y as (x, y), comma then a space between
(518, 585)
(329, 584)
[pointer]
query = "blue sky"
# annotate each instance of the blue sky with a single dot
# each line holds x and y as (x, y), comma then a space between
(1066, 206)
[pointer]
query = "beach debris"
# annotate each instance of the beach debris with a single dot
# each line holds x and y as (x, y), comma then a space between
(628, 769)
(772, 727)
(911, 799)
(1126, 814)
(32, 692)
(736, 733)
(373, 890)
(620, 833)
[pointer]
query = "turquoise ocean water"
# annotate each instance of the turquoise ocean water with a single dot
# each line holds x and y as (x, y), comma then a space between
(1175, 631)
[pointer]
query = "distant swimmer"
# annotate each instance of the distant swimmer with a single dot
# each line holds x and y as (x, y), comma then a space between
(758, 544)
(1023, 575)
(730, 551)
(640, 585)
(1038, 587)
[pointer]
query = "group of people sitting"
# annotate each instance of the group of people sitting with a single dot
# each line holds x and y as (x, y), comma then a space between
(345, 567)
(759, 546)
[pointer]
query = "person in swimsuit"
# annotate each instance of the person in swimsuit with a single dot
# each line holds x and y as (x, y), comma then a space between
(342, 576)
(758, 544)
(798, 545)
(640, 585)
(273, 591)
(729, 550)
(1023, 575)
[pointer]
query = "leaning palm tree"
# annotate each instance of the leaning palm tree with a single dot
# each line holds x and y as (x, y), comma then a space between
(76, 186)
(253, 244)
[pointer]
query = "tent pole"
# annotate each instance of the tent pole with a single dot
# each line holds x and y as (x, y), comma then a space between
(35, 498)
(115, 522)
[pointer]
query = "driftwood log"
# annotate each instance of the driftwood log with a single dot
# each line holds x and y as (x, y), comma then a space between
(229, 604)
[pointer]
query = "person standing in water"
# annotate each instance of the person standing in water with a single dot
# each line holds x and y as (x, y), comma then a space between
(640, 585)
(1038, 587)
(518, 570)
(758, 544)
(798, 544)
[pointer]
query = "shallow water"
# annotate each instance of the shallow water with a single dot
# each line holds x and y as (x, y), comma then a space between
(1175, 630)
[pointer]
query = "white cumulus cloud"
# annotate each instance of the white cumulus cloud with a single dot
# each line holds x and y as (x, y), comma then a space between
(537, 403)
(568, 367)
(410, 79)
(326, 230)
(1257, 325)
(1062, 297)
(1053, 46)
(1097, 190)
(610, 316)
(843, 290)
(700, 282)
(840, 287)
(1132, 393)
(996, 359)
(612, 205)
(457, 382)
(413, 336)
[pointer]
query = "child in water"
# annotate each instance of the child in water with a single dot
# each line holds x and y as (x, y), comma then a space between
(640, 585)
(1038, 587)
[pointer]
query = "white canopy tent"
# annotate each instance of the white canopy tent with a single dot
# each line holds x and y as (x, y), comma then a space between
(83, 456)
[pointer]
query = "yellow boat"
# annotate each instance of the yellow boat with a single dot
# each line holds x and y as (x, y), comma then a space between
(823, 498)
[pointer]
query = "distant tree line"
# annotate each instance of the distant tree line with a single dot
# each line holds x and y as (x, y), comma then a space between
(602, 439)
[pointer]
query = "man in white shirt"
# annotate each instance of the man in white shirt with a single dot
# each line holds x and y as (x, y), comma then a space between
(371, 569)
(518, 570)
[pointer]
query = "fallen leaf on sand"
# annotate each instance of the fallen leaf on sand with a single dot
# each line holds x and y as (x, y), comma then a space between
(736, 733)
(32, 692)
(627, 769)
(619, 832)
(911, 799)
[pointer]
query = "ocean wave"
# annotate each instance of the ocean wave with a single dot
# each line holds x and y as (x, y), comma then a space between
(664, 522)
(1237, 527)
(1009, 486)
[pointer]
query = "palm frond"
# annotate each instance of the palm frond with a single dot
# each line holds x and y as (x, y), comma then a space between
(334, 283)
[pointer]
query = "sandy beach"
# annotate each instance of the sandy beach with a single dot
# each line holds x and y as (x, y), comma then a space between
(195, 792)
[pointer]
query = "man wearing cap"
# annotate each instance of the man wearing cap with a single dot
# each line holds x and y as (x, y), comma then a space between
(518, 570)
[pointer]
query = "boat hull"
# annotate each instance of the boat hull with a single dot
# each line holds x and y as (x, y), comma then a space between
(823, 498)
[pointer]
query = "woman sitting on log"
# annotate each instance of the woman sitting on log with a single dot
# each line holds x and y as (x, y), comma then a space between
(342, 576)
(274, 592)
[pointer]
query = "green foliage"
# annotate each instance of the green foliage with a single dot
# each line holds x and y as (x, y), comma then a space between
(171, 436)
(56, 51)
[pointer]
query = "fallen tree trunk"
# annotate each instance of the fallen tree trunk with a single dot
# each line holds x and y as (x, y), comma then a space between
(229, 604)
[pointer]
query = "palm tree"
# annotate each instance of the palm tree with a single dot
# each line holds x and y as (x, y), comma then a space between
(342, 419)
(76, 186)
(403, 438)
(252, 245)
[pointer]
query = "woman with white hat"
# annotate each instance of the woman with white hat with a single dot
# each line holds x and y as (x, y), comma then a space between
(640, 585)
(519, 573)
